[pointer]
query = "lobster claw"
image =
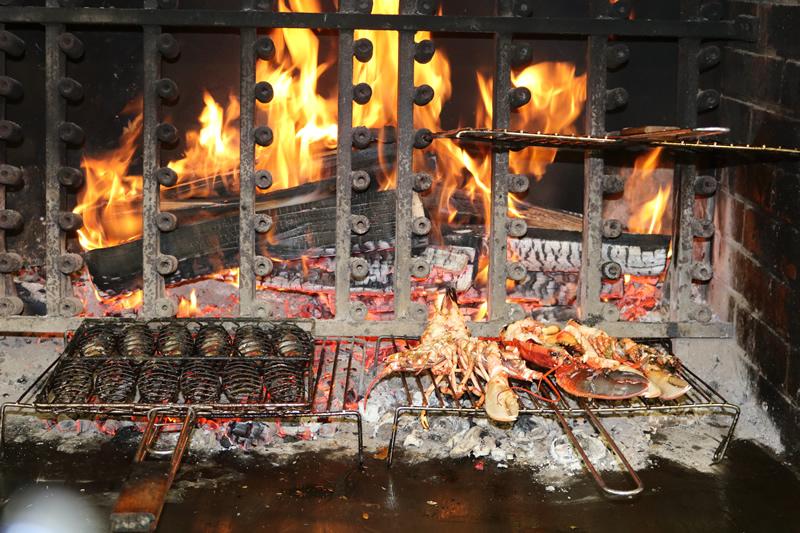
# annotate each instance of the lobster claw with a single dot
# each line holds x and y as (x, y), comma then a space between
(601, 383)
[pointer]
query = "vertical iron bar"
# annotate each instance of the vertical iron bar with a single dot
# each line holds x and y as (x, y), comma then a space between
(680, 279)
(247, 189)
(405, 171)
(57, 284)
(153, 283)
(589, 303)
(501, 115)
(344, 168)
(7, 284)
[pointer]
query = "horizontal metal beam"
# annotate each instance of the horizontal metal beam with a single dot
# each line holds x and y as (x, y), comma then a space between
(740, 29)
(57, 325)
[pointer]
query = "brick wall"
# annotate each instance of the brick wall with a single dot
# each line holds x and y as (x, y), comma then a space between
(757, 250)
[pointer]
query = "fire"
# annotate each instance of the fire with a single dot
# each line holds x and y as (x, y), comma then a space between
(187, 308)
(648, 205)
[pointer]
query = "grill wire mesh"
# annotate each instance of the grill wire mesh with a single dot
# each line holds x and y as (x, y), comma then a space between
(195, 362)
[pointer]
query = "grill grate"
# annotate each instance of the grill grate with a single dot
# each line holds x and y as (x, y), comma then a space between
(702, 397)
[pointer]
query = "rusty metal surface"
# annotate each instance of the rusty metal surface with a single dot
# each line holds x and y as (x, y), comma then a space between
(247, 189)
(743, 28)
(405, 140)
(589, 304)
(58, 284)
(152, 281)
(344, 187)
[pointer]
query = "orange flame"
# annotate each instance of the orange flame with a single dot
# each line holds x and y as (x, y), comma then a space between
(187, 308)
(648, 206)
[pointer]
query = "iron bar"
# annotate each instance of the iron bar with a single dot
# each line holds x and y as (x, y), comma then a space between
(247, 186)
(589, 304)
(344, 187)
(405, 157)
(152, 281)
(58, 285)
(680, 276)
(501, 113)
(742, 28)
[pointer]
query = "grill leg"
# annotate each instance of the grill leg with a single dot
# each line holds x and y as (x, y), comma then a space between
(141, 500)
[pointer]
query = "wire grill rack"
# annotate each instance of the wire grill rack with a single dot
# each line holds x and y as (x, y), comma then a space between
(328, 387)
(701, 398)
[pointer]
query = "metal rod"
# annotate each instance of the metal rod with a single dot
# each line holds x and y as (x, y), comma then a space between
(680, 276)
(589, 304)
(57, 285)
(405, 157)
(247, 188)
(501, 115)
(153, 282)
(344, 186)
(725, 29)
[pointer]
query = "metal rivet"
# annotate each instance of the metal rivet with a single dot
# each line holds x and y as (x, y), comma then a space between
(421, 226)
(424, 51)
(262, 223)
(165, 307)
(358, 310)
(71, 133)
(610, 313)
(422, 182)
(516, 271)
(167, 4)
(360, 180)
(168, 46)
(620, 9)
(418, 312)
(518, 183)
(263, 179)
(69, 263)
(362, 92)
(422, 138)
(10, 88)
(427, 7)
(617, 55)
(423, 94)
(10, 262)
(708, 57)
(10, 131)
(516, 227)
(701, 313)
(362, 137)
(359, 224)
(515, 312)
(265, 48)
(69, 221)
(705, 185)
(522, 8)
(166, 177)
(612, 228)
(70, 306)
(264, 92)
(611, 270)
(167, 133)
(363, 6)
(702, 271)
(613, 184)
(166, 264)
(362, 50)
(262, 266)
(10, 306)
(702, 228)
(70, 90)
(263, 135)
(420, 268)
(10, 175)
(10, 219)
(263, 310)
(359, 268)
(521, 54)
(616, 98)
(166, 222)
(71, 46)
(518, 97)
(711, 10)
(167, 90)
(707, 99)
(11, 44)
